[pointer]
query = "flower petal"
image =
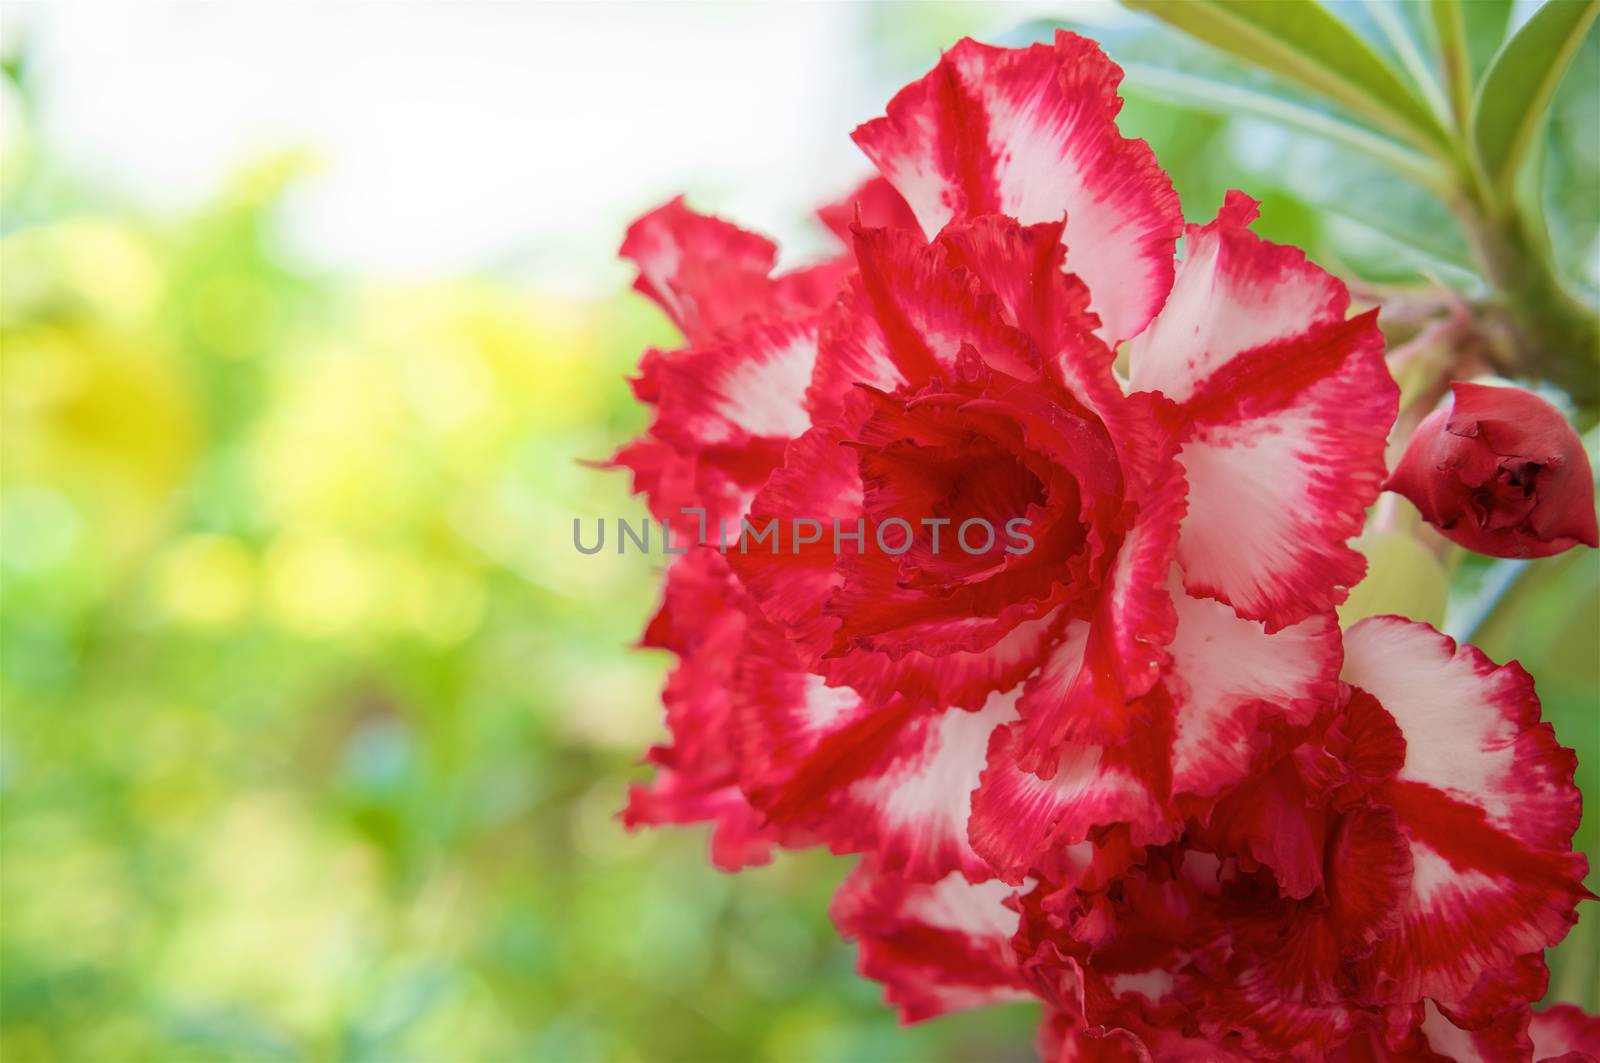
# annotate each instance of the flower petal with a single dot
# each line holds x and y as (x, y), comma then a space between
(1228, 672)
(874, 203)
(704, 272)
(1504, 1039)
(1017, 816)
(1283, 405)
(1126, 645)
(1032, 133)
(1233, 293)
(960, 679)
(750, 385)
(1486, 801)
(936, 946)
(1472, 728)
(852, 350)
(929, 309)
(788, 581)
(889, 778)
(1565, 1034)
(1025, 267)
(697, 775)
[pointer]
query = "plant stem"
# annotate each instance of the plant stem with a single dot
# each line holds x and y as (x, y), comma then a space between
(1558, 336)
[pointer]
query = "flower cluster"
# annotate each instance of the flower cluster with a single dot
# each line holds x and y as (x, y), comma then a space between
(1137, 772)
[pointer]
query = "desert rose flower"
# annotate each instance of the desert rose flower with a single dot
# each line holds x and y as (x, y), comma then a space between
(966, 371)
(726, 406)
(1500, 471)
(1362, 892)
(1135, 772)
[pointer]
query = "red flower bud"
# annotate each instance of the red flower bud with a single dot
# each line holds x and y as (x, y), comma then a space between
(1500, 471)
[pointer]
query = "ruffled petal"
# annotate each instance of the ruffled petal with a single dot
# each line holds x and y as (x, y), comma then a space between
(1124, 650)
(1233, 293)
(917, 802)
(1486, 802)
(788, 581)
(1017, 816)
(888, 778)
(1565, 1034)
(852, 350)
(874, 204)
(665, 477)
(1302, 955)
(740, 837)
(1025, 267)
(1472, 728)
(749, 385)
(960, 679)
(1283, 405)
(936, 946)
(697, 774)
(1063, 1039)
(1251, 1011)
(724, 413)
(707, 274)
(1032, 133)
(711, 276)
(1226, 674)
(929, 309)
(1503, 1040)
(1273, 819)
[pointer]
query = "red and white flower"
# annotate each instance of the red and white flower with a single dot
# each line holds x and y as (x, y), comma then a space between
(1384, 889)
(1134, 770)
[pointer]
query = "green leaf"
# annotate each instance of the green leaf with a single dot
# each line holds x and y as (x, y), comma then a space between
(1301, 40)
(1450, 38)
(1571, 167)
(1486, 22)
(1227, 99)
(1386, 15)
(1516, 90)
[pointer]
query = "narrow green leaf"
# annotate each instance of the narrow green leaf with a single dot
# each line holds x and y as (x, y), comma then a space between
(1227, 99)
(1515, 93)
(1455, 58)
(1486, 22)
(1385, 14)
(1301, 40)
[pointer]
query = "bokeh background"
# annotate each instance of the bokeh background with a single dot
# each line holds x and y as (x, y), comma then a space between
(314, 725)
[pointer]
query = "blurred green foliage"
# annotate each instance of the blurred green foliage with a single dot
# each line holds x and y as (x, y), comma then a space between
(313, 735)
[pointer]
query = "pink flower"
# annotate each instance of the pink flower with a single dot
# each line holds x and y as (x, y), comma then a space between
(1500, 471)
(966, 374)
(1133, 770)
(1383, 887)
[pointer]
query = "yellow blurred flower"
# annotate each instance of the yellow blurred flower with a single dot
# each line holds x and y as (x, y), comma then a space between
(436, 600)
(206, 581)
(316, 584)
(101, 416)
(85, 264)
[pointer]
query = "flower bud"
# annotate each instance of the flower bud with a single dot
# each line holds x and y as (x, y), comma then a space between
(1500, 471)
